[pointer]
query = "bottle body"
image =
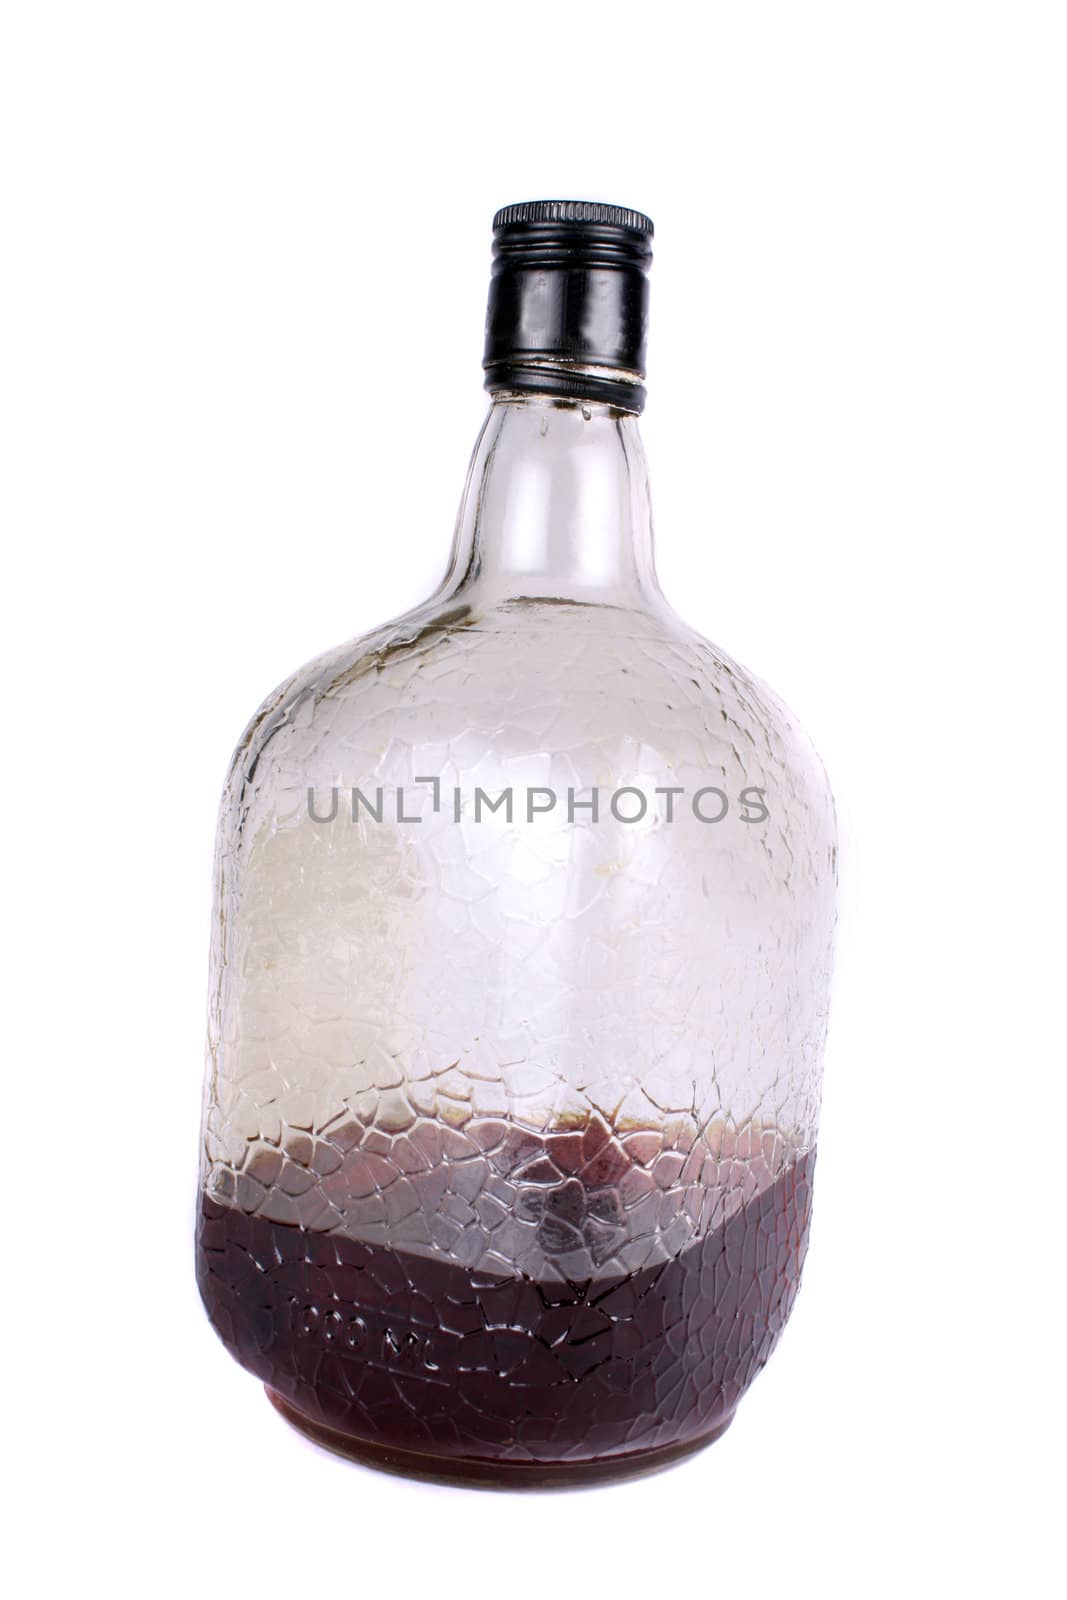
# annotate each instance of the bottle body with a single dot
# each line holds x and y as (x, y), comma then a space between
(524, 910)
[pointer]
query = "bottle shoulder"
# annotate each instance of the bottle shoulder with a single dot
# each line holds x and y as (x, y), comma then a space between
(454, 680)
(296, 703)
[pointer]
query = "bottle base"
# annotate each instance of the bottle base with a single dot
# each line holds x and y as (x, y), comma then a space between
(483, 1473)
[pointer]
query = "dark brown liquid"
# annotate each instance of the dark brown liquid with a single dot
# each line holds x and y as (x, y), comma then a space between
(398, 1352)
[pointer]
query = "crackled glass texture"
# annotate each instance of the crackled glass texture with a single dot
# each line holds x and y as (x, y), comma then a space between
(511, 1104)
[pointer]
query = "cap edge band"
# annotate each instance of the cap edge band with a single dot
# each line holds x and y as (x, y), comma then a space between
(570, 380)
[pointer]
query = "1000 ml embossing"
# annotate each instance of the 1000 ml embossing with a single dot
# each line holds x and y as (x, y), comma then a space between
(349, 1331)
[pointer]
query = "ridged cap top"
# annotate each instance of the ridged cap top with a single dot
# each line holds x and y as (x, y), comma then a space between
(588, 211)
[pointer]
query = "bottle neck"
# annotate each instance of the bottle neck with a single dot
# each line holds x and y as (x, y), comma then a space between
(556, 507)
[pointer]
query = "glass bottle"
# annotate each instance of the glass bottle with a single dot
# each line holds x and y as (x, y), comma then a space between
(521, 950)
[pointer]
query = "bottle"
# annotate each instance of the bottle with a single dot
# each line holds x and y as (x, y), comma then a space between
(521, 949)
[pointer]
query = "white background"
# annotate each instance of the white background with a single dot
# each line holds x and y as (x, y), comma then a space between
(244, 269)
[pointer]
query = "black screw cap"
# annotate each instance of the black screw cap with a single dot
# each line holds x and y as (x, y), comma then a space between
(568, 301)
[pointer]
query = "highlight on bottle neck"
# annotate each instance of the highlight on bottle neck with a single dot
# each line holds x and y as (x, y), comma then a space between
(568, 302)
